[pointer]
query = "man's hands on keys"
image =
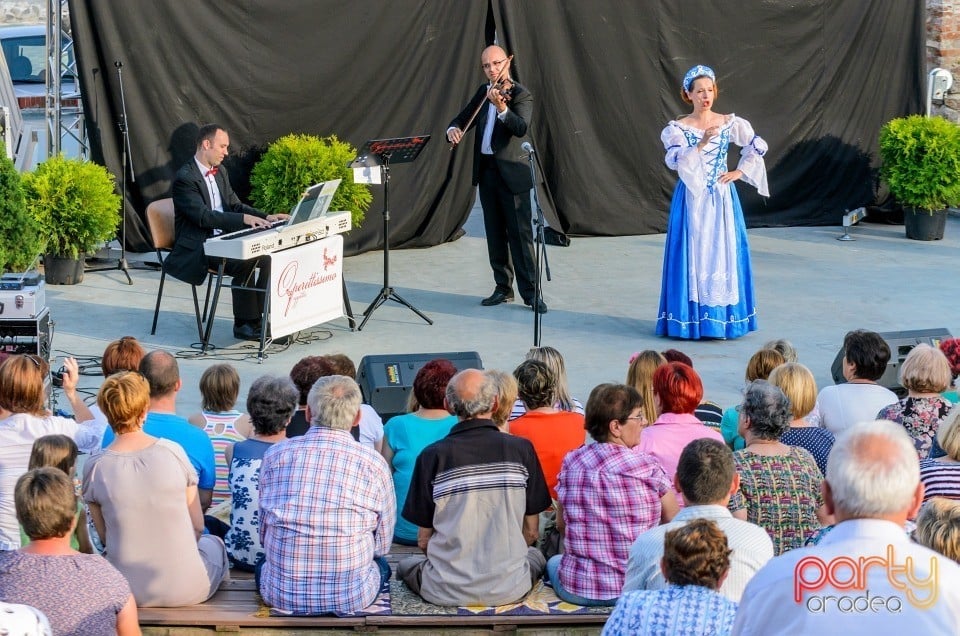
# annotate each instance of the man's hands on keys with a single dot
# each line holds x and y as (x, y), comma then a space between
(255, 221)
(273, 218)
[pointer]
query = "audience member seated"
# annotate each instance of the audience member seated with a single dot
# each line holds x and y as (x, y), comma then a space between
(696, 560)
(220, 420)
(124, 354)
(677, 391)
(552, 358)
(938, 527)
(476, 496)
(609, 494)
(707, 412)
(271, 402)
(779, 484)
(162, 373)
(80, 594)
(925, 373)
(304, 373)
(797, 383)
(370, 428)
(706, 478)
(327, 511)
(25, 418)
(872, 488)
(142, 495)
(941, 476)
(784, 348)
(507, 392)
(552, 431)
(640, 377)
(840, 406)
(405, 436)
(951, 349)
(60, 452)
(759, 367)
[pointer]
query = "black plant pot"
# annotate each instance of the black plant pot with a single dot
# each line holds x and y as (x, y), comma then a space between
(921, 225)
(62, 270)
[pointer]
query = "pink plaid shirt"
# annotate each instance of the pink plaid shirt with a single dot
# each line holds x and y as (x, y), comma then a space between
(610, 494)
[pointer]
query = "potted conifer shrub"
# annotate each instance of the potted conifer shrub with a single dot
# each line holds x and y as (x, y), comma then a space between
(19, 233)
(77, 208)
(293, 163)
(920, 163)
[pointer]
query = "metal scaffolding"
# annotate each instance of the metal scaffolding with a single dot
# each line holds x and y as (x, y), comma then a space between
(61, 122)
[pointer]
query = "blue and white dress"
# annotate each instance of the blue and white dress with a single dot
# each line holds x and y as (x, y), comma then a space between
(243, 538)
(707, 289)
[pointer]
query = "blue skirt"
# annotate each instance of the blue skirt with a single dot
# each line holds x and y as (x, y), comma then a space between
(679, 317)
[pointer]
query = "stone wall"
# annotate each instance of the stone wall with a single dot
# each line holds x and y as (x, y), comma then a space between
(943, 50)
(942, 43)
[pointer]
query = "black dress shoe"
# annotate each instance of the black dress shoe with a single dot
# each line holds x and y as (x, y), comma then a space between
(496, 298)
(246, 331)
(538, 306)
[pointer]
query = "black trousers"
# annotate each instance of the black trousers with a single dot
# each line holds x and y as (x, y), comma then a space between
(508, 224)
(247, 303)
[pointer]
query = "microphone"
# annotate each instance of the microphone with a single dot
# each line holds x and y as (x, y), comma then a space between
(527, 147)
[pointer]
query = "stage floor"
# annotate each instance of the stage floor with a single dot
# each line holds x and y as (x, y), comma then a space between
(603, 298)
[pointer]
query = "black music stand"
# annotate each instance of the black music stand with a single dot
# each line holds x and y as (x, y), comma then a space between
(383, 152)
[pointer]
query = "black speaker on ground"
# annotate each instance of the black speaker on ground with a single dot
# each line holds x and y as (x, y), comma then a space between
(900, 343)
(387, 380)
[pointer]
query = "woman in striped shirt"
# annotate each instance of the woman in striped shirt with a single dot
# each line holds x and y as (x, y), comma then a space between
(941, 476)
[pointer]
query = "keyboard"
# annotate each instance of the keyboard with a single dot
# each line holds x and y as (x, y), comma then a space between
(254, 242)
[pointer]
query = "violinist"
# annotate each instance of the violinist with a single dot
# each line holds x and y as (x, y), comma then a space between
(500, 110)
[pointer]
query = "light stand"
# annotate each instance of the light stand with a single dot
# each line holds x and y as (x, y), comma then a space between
(542, 263)
(124, 161)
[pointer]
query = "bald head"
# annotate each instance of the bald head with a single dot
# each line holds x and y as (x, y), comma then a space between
(162, 373)
(471, 394)
(873, 473)
(492, 61)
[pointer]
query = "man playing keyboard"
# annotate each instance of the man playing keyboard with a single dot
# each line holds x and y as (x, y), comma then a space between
(204, 201)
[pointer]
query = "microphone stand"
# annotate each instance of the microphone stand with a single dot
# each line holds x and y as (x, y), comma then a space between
(125, 160)
(542, 263)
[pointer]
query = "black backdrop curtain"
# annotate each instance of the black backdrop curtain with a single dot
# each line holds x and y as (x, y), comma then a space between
(360, 70)
(817, 78)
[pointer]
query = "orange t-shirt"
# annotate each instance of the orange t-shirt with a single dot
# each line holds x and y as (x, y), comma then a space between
(553, 435)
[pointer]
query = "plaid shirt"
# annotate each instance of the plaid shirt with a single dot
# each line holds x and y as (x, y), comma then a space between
(326, 509)
(610, 494)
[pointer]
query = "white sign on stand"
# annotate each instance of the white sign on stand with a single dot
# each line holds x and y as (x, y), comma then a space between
(306, 286)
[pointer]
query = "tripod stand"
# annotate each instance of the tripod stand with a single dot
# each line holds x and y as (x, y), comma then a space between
(542, 264)
(124, 159)
(381, 152)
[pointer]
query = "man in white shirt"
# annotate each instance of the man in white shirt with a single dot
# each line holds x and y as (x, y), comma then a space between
(706, 478)
(865, 576)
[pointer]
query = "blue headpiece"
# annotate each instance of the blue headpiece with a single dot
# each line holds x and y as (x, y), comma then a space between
(697, 71)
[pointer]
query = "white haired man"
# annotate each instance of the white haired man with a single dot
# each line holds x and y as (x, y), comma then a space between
(865, 576)
(327, 511)
(476, 496)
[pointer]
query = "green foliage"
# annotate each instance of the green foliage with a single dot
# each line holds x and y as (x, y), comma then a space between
(921, 161)
(293, 163)
(19, 238)
(75, 203)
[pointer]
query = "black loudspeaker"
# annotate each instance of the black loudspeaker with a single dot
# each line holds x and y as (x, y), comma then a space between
(900, 343)
(387, 380)
(27, 335)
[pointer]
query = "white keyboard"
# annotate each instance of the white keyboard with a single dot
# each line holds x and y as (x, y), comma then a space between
(246, 244)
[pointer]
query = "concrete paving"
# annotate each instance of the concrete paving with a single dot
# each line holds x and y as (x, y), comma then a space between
(603, 299)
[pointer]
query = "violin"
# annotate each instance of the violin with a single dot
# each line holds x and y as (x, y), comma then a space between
(502, 84)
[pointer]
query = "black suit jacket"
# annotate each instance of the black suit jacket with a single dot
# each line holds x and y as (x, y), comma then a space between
(195, 221)
(507, 136)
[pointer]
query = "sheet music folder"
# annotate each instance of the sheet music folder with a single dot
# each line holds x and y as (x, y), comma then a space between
(396, 150)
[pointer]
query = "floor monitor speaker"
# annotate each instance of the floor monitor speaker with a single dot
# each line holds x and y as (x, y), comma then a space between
(387, 380)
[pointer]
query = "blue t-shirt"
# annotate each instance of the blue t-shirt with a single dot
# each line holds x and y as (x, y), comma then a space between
(194, 441)
(407, 436)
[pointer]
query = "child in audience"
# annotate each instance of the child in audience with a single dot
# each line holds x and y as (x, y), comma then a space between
(220, 420)
(59, 451)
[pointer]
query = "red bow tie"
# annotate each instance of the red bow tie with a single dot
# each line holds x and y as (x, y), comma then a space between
(212, 171)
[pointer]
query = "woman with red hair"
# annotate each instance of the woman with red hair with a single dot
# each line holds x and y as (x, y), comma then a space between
(677, 391)
(951, 348)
